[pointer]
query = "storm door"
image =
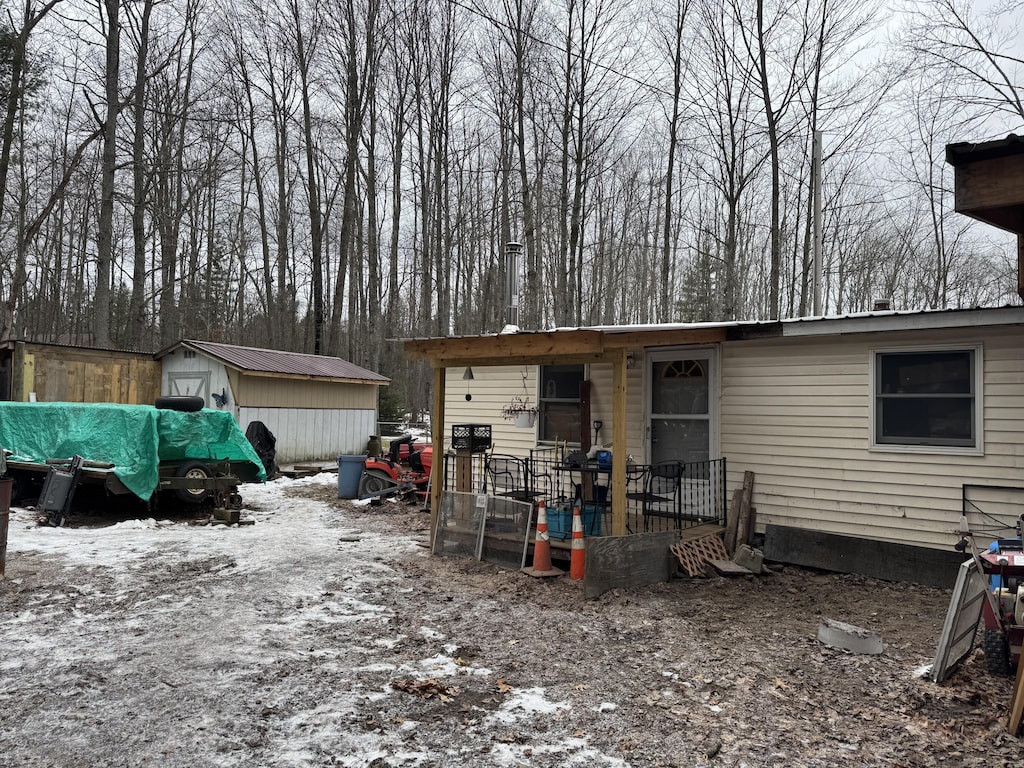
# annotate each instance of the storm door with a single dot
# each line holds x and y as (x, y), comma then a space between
(682, 387)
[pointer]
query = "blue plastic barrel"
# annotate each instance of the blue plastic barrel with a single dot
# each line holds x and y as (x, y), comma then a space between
(350, 470)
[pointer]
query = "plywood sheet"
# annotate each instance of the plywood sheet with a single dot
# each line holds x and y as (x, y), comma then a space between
(615, 562)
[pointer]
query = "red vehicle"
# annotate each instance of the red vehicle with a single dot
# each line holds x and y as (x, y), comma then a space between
(405, 470)
(1003, 563)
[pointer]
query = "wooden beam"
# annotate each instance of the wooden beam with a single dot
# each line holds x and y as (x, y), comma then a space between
(514, 360)
(1020, 266)
(437, 440)
(521, 345)
(668, 337)
(551, 347)
(619, 393)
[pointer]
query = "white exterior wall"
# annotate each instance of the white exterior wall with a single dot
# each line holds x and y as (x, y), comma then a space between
(176, 379)
(495, 386)
(797, 412)
(306, 434)
(492, 388)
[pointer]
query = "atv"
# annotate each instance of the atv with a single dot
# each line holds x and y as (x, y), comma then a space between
(404, 471)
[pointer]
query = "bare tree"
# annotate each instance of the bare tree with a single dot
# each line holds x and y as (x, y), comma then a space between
(972, 52)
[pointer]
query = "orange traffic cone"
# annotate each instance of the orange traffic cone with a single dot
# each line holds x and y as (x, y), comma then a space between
(542, 547)
(577, 558)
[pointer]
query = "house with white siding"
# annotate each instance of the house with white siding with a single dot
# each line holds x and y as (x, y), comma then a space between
(317, 407)
(872, 437)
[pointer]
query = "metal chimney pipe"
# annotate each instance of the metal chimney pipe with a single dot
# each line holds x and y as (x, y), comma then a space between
(512, 251)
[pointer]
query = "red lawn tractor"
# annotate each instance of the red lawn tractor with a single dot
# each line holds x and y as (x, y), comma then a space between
(1003, 563)
(405, 470)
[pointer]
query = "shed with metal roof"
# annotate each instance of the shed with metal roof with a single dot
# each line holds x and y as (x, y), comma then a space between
(317, 407)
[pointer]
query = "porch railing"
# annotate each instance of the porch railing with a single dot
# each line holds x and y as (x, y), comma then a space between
(662, 497)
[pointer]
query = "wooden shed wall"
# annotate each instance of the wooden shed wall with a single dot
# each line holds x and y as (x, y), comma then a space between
(797, 412)
(67, 374)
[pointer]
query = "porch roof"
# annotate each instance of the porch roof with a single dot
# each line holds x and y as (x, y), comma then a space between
(603, 343)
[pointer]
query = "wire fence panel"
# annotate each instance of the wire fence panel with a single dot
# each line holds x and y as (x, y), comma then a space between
(483, 527)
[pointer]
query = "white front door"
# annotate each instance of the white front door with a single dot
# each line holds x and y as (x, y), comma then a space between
(682, 387)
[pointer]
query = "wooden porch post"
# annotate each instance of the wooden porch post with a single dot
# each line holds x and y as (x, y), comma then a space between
(437, 440)
(619, 443)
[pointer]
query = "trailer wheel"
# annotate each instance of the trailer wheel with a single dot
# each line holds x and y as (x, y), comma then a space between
(997, 653)
(188, 403)
(373, 482)
(193, 470)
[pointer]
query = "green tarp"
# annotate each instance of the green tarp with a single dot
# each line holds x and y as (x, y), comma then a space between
(134, 438)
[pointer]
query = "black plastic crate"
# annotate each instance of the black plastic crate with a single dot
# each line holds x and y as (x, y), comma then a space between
(475, 438)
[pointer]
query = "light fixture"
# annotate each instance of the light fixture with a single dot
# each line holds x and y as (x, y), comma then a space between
(467, 376)
(630, 360)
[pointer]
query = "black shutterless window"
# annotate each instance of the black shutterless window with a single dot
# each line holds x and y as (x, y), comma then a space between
(926, 398)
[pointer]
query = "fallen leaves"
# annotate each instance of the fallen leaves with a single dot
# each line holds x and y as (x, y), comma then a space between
(431, 687)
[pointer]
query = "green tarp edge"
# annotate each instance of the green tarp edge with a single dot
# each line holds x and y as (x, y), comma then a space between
(134, 438)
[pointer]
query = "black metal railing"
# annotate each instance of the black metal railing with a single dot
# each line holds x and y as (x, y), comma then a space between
(659, 497)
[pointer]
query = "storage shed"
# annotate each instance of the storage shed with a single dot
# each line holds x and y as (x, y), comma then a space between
(51, 373)
(317, 407)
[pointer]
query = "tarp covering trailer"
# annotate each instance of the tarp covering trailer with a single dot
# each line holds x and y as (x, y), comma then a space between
(138, 448)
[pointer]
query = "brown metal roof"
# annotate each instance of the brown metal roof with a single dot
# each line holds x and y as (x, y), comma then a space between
(276, 362)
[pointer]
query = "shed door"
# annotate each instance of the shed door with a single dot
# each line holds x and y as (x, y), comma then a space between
(190, 383)
(682, 387)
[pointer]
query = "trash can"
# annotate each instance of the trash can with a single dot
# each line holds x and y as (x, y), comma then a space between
(350, 470)
(6, 483)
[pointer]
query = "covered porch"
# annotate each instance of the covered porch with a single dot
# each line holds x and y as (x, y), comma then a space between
(618, 495)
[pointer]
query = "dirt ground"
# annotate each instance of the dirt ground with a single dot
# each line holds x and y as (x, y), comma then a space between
(357, 648)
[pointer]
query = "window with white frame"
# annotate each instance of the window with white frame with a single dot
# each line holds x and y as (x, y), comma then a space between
(927, 397)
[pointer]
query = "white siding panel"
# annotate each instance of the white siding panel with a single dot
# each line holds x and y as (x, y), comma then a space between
(494, 386)
(797, 413)
(307, 434)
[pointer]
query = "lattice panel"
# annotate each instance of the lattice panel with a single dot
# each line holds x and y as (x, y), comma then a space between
(694, 554)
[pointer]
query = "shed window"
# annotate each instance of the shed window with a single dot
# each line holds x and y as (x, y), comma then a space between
(560, 419)
(927, 398)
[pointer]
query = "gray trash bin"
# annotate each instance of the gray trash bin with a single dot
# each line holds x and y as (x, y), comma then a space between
(350, 470)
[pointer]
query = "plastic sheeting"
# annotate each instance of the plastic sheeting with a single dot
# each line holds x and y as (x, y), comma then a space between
(134, 438)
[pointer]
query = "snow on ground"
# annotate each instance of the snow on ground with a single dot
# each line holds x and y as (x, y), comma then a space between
(153, 641)
(325, 635)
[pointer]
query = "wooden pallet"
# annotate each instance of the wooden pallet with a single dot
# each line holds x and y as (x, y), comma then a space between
(696, 553)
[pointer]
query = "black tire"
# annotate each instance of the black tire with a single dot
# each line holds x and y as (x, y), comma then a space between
(187, 403)
(195, 470)
(373, 482)
(997, 653)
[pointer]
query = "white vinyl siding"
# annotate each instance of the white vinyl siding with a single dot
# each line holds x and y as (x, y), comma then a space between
(797, 412)
(306, 434)
(495, 386)
(491, 389)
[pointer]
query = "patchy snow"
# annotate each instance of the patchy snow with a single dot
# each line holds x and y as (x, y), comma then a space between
(324, 634)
